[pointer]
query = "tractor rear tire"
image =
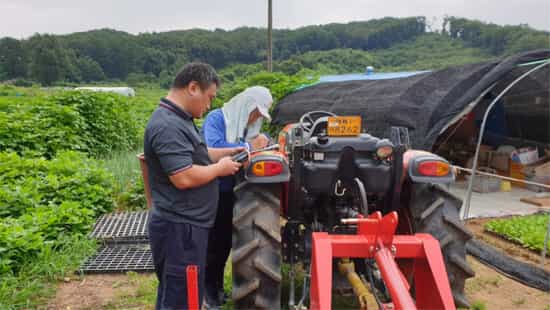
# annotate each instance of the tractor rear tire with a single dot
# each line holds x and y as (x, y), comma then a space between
(256, 248)
(436, 211)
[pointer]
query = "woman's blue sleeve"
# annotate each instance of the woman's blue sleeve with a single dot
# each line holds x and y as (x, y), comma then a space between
(214, 132)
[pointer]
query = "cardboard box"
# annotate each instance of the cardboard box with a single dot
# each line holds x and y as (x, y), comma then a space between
(523, 172)
(516, 172)
(485, 152)
(541, 167)
(526, 155)
(500, 161)
(543, 170)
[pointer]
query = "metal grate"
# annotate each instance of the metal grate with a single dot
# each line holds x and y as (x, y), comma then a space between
(120, 258)
(122, 227)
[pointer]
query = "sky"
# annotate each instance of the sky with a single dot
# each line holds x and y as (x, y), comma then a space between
(23, 18)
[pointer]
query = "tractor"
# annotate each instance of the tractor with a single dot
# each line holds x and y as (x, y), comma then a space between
(356, 212)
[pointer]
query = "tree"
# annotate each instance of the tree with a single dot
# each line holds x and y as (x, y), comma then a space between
(71, 72)
(13, 61)
(47, 59)
(110, 54)
(115, 51)
(152, 61)
(90, 70)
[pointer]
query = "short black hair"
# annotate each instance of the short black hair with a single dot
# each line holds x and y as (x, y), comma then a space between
(202, 73)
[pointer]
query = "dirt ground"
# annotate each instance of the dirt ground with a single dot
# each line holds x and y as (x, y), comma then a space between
(495, 291)
(487, 290)
(99, 291)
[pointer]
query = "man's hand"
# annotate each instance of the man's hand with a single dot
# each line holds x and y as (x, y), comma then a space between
(226, 167)
(259, 142)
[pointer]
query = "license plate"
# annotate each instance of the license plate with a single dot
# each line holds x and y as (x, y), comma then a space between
(340, 126)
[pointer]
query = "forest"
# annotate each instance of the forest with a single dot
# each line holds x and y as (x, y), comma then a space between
(388, 44)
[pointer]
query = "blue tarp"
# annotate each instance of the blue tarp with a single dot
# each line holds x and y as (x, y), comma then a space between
(363, 76)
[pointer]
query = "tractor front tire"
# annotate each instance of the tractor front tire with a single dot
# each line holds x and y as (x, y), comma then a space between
(436, 211)
(256, 248)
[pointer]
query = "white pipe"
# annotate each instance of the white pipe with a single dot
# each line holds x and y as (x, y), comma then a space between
(503, 177)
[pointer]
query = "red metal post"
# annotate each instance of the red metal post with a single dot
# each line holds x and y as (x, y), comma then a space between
(321, 270)
(393, 278)
(192, 287)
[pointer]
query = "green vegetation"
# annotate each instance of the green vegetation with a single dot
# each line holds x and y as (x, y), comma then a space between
(278, 83)
(429, 51)
(528, 231)
(107, 121)
(478, 305)
(50, 193)
(128, 187)
(496, 39)
(94, 123)
(110, 55)
(143, 296)
(36, 281)
(41, 201)
(425, 52)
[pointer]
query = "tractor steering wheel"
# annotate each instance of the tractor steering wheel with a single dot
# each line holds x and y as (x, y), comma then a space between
(307, 120)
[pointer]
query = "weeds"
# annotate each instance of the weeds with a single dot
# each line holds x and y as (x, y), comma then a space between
(36, 281)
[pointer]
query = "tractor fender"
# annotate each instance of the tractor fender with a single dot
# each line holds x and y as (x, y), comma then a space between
(274, 157)
(411, 161)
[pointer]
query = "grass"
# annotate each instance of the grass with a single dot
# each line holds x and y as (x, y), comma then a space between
(484, 283)
(124, 165)
(528, 231)
(478, 305)
(519, 301)
(35, 284)
(144, 294)
(128, 191)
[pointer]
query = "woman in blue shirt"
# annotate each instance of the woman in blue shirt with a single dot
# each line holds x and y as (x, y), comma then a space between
(237, 123)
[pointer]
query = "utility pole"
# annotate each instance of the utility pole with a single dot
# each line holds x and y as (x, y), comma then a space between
(269, 37)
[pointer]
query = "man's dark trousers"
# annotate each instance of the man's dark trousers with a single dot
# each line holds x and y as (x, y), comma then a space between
(175, 246)
(219, 244)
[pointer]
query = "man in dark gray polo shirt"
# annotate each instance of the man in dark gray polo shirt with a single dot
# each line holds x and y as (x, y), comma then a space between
(183, 175)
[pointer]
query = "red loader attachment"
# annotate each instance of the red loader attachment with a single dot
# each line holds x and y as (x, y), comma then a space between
(376, 239)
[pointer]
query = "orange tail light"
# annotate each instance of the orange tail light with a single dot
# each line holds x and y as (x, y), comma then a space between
(434, 168)
(267, 168)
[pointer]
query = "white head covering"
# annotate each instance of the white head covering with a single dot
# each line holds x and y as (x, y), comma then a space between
(237, 110)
